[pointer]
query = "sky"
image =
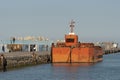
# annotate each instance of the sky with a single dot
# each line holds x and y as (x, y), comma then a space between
(95, 20)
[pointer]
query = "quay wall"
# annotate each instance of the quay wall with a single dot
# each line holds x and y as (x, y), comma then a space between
(21, 59)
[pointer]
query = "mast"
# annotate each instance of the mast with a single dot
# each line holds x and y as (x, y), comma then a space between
(72, 26)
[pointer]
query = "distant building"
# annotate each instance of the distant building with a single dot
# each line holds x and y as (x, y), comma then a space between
(33, 38)
(107, 45)
(29, 43)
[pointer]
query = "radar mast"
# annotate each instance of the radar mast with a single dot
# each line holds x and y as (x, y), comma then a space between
(72, 26)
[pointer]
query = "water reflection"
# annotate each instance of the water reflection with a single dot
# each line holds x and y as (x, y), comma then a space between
(72, 64)
(72, 71)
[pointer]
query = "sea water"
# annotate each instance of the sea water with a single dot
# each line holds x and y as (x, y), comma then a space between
(108, 69)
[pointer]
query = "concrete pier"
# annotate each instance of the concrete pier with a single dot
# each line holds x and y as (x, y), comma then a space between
(21, 59)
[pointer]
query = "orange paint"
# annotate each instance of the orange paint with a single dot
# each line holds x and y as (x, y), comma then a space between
(61, 54)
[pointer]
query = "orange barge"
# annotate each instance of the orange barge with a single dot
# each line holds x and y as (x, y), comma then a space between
(72, 50)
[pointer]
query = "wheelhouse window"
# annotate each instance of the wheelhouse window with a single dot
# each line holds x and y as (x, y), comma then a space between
(70, 40)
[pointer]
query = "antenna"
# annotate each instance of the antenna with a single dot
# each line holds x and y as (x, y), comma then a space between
(72, 25)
